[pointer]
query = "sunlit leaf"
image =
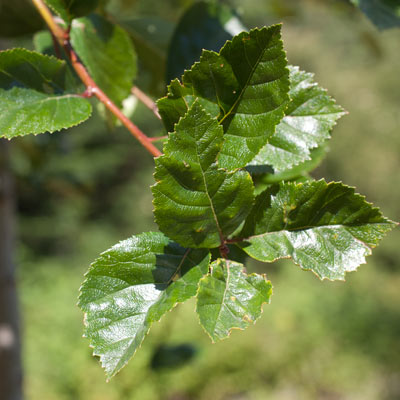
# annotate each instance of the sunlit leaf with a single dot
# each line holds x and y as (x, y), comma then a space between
(245, 86)
(309, 118)
(132, 285)
(326, 228)
(196, 202)
(230, 299)
(36, 95)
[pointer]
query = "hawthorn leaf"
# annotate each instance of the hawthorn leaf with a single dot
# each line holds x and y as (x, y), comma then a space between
(35, 95)
(132, 285)
(310, 116)
(108, 53)
(245, 86)
(229, 299)
(197, 203)
(324, 227)
(204, 25)
(70, 9)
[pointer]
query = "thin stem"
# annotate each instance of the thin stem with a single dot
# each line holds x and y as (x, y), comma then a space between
(158, 138)
(62, 36)
(146, 100)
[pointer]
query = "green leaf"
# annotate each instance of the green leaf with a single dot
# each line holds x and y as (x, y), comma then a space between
(245, 86)
(150, 36)
(108, 54)
(18, 17)
(132, 285)
(35, 95)
(197, 203)
(204, 25)
(310, 116)
(383, 13)
(43, 43)
(70, 9)
(325, 228)
(230, 299)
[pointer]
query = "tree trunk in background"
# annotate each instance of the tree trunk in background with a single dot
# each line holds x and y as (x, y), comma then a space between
(10, 345)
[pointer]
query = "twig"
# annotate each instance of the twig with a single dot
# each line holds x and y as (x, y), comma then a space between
(62, 37)
(146, 100)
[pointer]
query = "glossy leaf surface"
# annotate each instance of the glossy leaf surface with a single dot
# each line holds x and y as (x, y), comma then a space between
(230, 299)
(70, 9)
(310, 116)
(197, 203)
(205, 25)
(245, 86)
(132, 285)
(108, 54)
(35, 95)
(325, 228)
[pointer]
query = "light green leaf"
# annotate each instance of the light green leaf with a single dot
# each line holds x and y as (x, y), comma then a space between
(230, 299)
(245, 86)
(310, 116)
(35, 95)
(69, 9)
(132, 285)
(196, 203)
(108, 54)
(325, 228)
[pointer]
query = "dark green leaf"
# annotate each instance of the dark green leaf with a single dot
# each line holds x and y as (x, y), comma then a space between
(108, 54)
(205, 25)
(150, 36)
(70, 9)
(326, 228)
(383, 13)
(132, 285)
(35, 95)
(230, 299)
(310, 116)
(18, 17)
(197, 203)
(245, 86)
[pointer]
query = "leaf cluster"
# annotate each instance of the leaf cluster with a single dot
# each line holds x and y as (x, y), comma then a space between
(244, 131)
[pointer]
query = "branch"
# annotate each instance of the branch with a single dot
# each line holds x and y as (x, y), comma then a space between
(146, 100)
(92, 88)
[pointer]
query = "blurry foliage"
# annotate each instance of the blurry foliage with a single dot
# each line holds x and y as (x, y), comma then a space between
(88, 188)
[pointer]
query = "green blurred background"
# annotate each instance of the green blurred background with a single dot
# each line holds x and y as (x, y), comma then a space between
(81, 191)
